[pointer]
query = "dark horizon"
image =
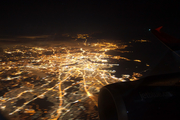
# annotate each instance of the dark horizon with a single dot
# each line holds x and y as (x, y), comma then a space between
(120, 19)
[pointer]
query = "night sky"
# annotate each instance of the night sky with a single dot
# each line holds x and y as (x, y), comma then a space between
(127, 19)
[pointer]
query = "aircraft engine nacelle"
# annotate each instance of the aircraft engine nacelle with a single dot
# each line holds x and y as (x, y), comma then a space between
(150, 98)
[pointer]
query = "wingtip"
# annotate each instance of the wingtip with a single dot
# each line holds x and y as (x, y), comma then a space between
(159, 28)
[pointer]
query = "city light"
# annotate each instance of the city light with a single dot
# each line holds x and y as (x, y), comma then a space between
(65, 76)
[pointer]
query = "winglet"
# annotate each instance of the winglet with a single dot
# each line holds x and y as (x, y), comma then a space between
(159, 28)
(168, 40)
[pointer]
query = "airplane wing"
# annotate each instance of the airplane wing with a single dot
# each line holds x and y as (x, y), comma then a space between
(168, 40)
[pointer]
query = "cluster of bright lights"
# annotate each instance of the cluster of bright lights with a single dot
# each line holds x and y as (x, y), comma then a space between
(69, 74)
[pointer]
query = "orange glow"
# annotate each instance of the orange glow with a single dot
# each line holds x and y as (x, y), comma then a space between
(63, 75)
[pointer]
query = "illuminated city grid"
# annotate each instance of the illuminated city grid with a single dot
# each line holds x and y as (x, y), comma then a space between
(56, 82)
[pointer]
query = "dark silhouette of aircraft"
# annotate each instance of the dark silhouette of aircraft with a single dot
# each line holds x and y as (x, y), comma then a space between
(170, 41)
(154, 97)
